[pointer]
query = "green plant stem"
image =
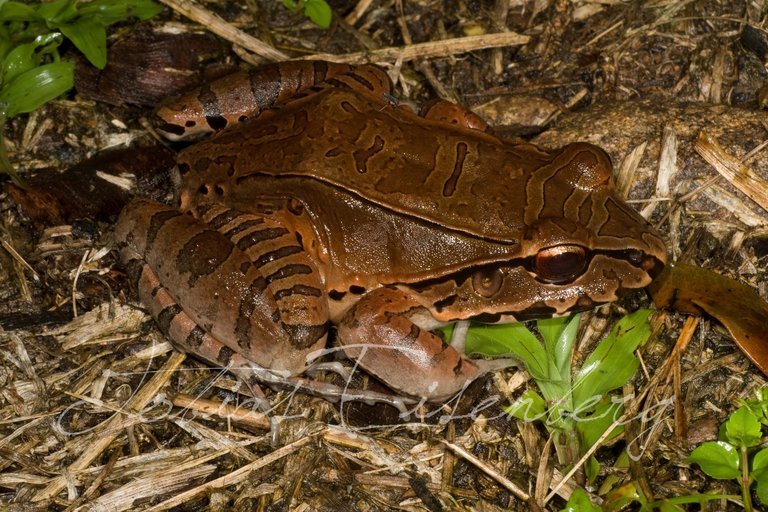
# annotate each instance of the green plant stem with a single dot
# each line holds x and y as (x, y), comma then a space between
(699, 499)
(745, 480)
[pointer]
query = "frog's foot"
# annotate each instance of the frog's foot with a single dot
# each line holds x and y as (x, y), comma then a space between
(379, 333)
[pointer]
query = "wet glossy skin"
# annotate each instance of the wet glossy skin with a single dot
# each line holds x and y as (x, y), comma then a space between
(330, 205)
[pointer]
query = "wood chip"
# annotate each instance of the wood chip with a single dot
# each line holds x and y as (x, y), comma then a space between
(731, 168)
(667, 169)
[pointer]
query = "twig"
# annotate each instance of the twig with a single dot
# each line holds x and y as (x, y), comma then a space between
(358, 11)
(220, 27)
(429, 49)
(482, 466)
(78, 270)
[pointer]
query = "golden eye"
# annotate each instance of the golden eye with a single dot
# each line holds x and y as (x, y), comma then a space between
(561, 263)
(487, 282)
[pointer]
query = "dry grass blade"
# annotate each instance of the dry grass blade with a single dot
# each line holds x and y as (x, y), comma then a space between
(238, 475)
(357, 13)
(731, 168)
(221, 28)
(17, 257)
(112, 427)
(20, 264)
(103, 321)
(152, 485)
(429, 49)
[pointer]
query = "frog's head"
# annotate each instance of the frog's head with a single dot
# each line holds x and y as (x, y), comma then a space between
(580, 246)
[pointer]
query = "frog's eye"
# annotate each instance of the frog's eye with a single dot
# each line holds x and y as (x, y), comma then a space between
(560, 263)
(487, 282)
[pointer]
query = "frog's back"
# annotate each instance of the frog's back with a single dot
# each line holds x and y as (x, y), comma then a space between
(458, 178)
(462, 180)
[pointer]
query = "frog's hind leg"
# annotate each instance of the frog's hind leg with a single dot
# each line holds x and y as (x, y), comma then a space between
(185, 334)
(379, 332)
(245, 95)
(189, 337)
(240, 96)
(244, 279)
(277, 251)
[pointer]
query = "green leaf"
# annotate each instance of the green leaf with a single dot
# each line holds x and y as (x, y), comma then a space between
(619, 498)
(33, 88)
(319, 12)
(579, 502)
(291, 5)
(759, 405)
(559, 335)
(529, 407)
(90, 37)
(670, 507)
(613, 362)
(108, 12)
(509, 340)
(17, 11)
(27, 56)
(447, 331)
(57, 12)
(552, 328)
(718, 459)
(760, 465)
(592, 420)
(592, 469)
(760, 474)
(743, 428)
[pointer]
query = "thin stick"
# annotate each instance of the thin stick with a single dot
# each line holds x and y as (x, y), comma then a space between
(430, 49)
(220, 27)
(482, 466)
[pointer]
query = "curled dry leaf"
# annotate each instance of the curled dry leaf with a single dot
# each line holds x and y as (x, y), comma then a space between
(738, 307)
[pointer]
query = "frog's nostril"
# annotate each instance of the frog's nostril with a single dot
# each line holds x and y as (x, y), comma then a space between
(203, 190)
(219, 190)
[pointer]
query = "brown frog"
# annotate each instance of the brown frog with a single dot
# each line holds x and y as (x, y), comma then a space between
(322, 202)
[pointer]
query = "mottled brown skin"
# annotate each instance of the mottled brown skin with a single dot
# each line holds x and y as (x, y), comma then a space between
(361, 213)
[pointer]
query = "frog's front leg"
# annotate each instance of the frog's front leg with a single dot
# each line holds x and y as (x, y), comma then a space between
(380, 333)
(243, 279)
